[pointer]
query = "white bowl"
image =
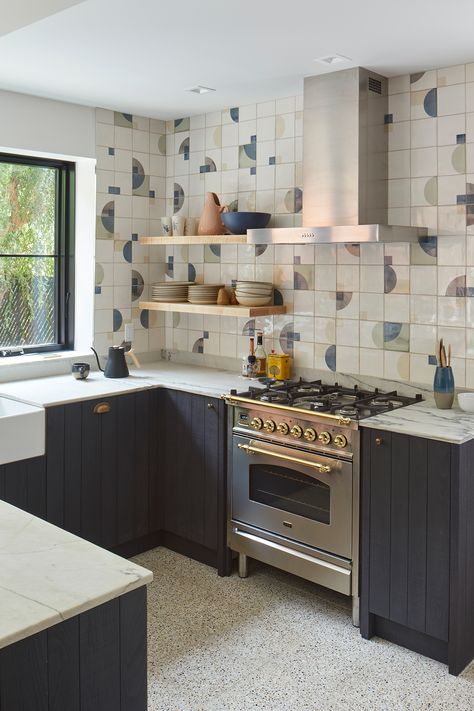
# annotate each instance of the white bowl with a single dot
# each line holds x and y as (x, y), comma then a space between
(466, 401)
(253, 300)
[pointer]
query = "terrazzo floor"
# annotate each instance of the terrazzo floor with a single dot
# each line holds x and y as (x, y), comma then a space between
(274, 642)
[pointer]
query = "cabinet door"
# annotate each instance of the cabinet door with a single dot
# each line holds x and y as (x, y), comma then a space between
(405, 530)
(193, 437)
(23, 484)
(98, 461)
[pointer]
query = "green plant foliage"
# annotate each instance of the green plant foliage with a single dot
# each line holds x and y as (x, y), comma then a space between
(27, 226)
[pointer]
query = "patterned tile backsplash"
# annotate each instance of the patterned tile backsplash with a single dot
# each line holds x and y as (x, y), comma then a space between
(364, 309)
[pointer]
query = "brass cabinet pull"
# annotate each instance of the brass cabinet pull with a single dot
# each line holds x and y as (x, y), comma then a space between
(257, 450)
(378, 441)
(101, 408)
(210, 406)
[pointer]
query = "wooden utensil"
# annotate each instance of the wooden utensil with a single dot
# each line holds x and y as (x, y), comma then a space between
(449, 355)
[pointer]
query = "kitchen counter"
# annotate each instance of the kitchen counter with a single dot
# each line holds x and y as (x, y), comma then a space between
(62, 389)
(49, 575)
(425, 420)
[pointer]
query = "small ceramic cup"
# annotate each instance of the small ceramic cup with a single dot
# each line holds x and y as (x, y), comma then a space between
(190, 228)
(178, 226)
(167, 226)
(80, 371)
(443, 387)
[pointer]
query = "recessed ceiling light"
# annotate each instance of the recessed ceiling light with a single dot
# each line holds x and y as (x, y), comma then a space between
(331, 59)
(201, 89)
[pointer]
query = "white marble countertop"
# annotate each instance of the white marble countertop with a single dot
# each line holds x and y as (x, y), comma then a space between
(48, 575)
(425, 420)
(62, 389)
(422, 420)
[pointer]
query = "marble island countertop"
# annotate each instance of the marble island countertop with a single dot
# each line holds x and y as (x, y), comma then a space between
(425, 420)
(49, 575)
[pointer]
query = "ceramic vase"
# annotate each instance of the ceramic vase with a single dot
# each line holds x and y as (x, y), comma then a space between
(443, 387)
(210, 222)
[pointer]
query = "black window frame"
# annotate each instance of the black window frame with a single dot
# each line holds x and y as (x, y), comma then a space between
(63, 252)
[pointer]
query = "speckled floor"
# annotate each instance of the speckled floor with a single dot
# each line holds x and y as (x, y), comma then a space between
(274, 642)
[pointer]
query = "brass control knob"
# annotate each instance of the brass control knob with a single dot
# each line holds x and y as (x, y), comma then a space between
(310, 434)
(296, 431)
(340, 441)
(256, 423)
(324, 437)
(283, 428)
(269, 426)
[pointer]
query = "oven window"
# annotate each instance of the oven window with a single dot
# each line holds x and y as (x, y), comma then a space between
(291, 491)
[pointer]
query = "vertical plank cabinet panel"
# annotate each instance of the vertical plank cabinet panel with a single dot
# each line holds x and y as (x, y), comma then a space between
(212, 442)
(144, 430)
(156, 459)
(95, 661)
(24, 675)
(417, 532)
(23, 484)
(55, 450)
(133, 645)
(380, 512)
(193, 429)
(399, 531)
(437, 543)
(91, 485)
(109, 443)
(63, 666)
(72, 467)
(99, 635)
(124, 473)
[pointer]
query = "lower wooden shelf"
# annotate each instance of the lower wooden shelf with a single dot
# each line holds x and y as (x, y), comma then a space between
(214, 309)
(198, 239)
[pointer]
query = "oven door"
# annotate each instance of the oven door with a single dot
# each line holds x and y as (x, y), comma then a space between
(300, 495)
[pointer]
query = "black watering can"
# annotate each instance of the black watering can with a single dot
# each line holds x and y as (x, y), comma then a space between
(116, 366)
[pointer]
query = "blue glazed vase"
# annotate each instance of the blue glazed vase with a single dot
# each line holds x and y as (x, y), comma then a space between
(443, 387)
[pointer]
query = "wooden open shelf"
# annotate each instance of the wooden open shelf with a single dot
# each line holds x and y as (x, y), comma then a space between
(214, 309)
(197, 239)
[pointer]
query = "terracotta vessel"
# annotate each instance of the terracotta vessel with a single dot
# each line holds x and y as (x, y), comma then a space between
(210, 222)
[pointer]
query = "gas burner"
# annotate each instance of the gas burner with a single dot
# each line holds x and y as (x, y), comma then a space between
(348, 411)
(309, 403)
(275, 396)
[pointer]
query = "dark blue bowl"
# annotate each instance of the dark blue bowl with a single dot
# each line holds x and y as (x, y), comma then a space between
(239, 222)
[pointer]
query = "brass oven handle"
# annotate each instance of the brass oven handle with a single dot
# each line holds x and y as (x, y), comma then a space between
(324, 469)
(101, 408)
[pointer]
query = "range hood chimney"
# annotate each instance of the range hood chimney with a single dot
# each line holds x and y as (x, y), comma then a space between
(345, 164)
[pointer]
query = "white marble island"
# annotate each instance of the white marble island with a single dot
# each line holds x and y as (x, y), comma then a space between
(72, 621)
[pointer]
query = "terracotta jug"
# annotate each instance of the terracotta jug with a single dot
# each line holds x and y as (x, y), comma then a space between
(210, 222)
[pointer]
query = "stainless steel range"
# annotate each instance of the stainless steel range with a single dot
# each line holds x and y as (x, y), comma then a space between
(294, 478)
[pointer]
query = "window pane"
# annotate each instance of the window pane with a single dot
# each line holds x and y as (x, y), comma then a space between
(27, 301)
(27, 209)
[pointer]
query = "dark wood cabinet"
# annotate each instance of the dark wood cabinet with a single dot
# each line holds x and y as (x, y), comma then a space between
(193, 481)
(137, 470)
(96, 660)
(23, 484)
(101, 460)
(417, 539)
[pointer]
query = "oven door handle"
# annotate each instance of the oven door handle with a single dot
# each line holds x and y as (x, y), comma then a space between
(248, 449)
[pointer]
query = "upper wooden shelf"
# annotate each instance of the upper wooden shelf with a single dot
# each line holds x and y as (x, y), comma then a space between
(213, 309)
(196, 239)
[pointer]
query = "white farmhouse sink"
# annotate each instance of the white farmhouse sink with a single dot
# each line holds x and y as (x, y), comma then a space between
(22, 430)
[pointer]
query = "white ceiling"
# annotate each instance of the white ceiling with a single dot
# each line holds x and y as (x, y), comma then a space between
(140, 57)
(23, 12)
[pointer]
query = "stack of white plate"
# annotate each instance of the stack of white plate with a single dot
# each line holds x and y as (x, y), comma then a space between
(203, 293)
(172, 292)
(254, 293)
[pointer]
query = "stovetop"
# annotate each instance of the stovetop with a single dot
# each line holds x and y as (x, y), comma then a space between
(315, 396)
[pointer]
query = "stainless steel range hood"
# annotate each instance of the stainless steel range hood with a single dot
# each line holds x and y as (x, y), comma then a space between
(345, 164)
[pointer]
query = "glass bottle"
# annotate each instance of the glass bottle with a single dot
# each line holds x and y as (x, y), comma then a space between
(261, 356)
